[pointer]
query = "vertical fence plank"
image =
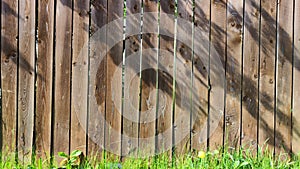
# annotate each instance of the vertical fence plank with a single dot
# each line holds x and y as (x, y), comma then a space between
(97, 86)
(233, 72)
(26, 78)
(183, 70)
(250, 74)
(218, 42)
(79, 91)
(9, 53)
(166, 76)
(131, 78)
(296, 108)
(114, 80)
(44, 78)
(148, 78)
(200, 87)
(284, 77)
(267, 72)
(62, 84)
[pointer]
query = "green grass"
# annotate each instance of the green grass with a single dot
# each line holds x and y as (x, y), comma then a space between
(213, 159)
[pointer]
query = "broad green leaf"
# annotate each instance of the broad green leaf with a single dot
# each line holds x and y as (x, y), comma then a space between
(72, 160)
(244, 163)
(76, 153)
(62, 154)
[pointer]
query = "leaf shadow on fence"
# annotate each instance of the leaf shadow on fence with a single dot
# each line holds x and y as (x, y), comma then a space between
(7, 10)
(12, 55)
(266, 46)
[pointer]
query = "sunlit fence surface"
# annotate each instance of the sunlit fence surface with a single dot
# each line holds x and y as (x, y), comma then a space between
(140, 77)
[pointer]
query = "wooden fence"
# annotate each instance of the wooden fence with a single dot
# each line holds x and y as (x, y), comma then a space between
(46, 76)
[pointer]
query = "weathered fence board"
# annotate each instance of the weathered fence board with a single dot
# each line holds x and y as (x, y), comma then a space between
(62, 77)
(200, 78)
(26, 78)
(166, 76)
(9, 72)
(44, 78)
(114, 79)
(233, 72)
(267, 73)
(218, 43)
(296, 101)
(182, 117)
(284, 77)
(97, 86)
(149, 99)
(131, 78)
(250, 86)
(80, 62)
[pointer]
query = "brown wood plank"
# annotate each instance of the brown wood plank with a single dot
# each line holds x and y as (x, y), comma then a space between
(183, 70)
(9, 49)
(218, 43)
(200, 76)
(267, 72)
(62, 85)
(26, 78)
(44, 79)
(284, 77)
(114, 80)
(148, 76)
(250, 75)
(79, 91)
(97, 88)
(296, 108)
(131, 79)
(166, 76)
(233, 72)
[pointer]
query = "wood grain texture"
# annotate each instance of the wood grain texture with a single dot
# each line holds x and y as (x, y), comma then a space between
(200, 87)
(44, 79)
(80, 60)
(114, 80)
(26, 79)
(97, 86)
(131, 102)
(296, 108)
(250, 86)
(60, 69)
(62, 84)
(9, 55)
(166, 76)
(233, 72)
(267, 74)
(147, 127)
(284, 77)
(148, 100)
(183, 67)
(218, 43)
